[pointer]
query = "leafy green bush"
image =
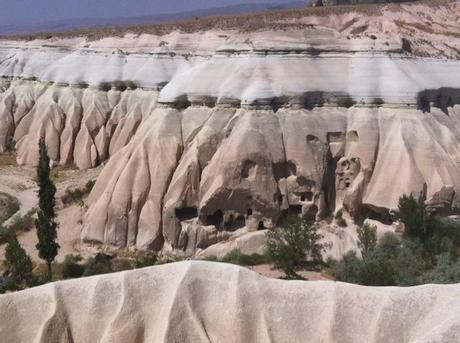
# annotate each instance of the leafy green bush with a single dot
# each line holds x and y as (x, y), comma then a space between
(99, 264)
(89, 186)
(9, 284)
(22, 223)
(5, 235)
(428, 252)
(236, 257)
(77, 194)
(18, 263)
(409, 264)
(445, 271)
(289, 246)
(72, 196)
(9, 205)
(367, 239)
(146, 260)
(340, 220)
(391, 262)
(71, 267)
(415, 217)
(377, 270)
(122, 263)
(349, 268)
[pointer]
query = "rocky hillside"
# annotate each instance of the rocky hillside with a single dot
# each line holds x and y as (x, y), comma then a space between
(210, 302)
(215, 129)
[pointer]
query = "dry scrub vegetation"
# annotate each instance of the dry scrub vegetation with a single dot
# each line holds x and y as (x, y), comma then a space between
(277, 20)
(7, 160)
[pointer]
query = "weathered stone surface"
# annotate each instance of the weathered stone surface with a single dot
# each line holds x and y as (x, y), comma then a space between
(81, 126)
(247, 168)
(246, 243)
(204, 301)
(207, 133)
(130, 213)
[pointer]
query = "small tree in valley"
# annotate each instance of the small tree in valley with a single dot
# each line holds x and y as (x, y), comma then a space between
(367, 239)
(414, 215)
(290, 245)
(46, 221)
(18, 262)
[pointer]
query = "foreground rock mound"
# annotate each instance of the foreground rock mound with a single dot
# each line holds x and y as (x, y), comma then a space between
(210, 302)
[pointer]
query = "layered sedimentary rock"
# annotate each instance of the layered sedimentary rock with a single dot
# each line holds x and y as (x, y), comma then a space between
(210, 302)
(247, 167)
(211, 134)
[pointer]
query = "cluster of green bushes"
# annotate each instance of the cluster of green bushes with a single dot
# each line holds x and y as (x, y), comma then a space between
(19, 223)
(21, 272)
(428, 251)
(76, 195)
(293, 246)
(20, 268)
(340, 220)
(237, 257)
(9, 205)
(101, 263)
(22, 223)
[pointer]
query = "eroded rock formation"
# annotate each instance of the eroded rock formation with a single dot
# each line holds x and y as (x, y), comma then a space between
(208, 135)
(210, 302)
(249, 167)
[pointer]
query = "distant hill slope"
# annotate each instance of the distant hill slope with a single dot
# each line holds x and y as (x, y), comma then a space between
(355, 2)
(88, 23)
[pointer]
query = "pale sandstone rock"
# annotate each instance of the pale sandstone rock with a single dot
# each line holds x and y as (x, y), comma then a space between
(211, 302)
(246, 243)
(130, 213)
(232, 129)
(246, 169)
(81, 126)
(182, 199)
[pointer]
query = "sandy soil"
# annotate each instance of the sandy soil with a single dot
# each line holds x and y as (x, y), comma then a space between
(19, 182)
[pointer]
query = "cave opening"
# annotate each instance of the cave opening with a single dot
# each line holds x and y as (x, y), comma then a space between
(295, 209)
(280, 200)
(329, 181)
(261, 226)
(306, 196)
(186, 213)
(216, 219)
(248, 169)
(234, 224)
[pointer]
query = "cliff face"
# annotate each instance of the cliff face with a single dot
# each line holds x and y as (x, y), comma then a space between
(210, 302)
(211, 132)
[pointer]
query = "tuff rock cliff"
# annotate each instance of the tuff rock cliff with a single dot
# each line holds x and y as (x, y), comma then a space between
(211, 134)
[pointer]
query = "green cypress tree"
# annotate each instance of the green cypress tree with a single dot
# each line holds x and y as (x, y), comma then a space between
(46, 222)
